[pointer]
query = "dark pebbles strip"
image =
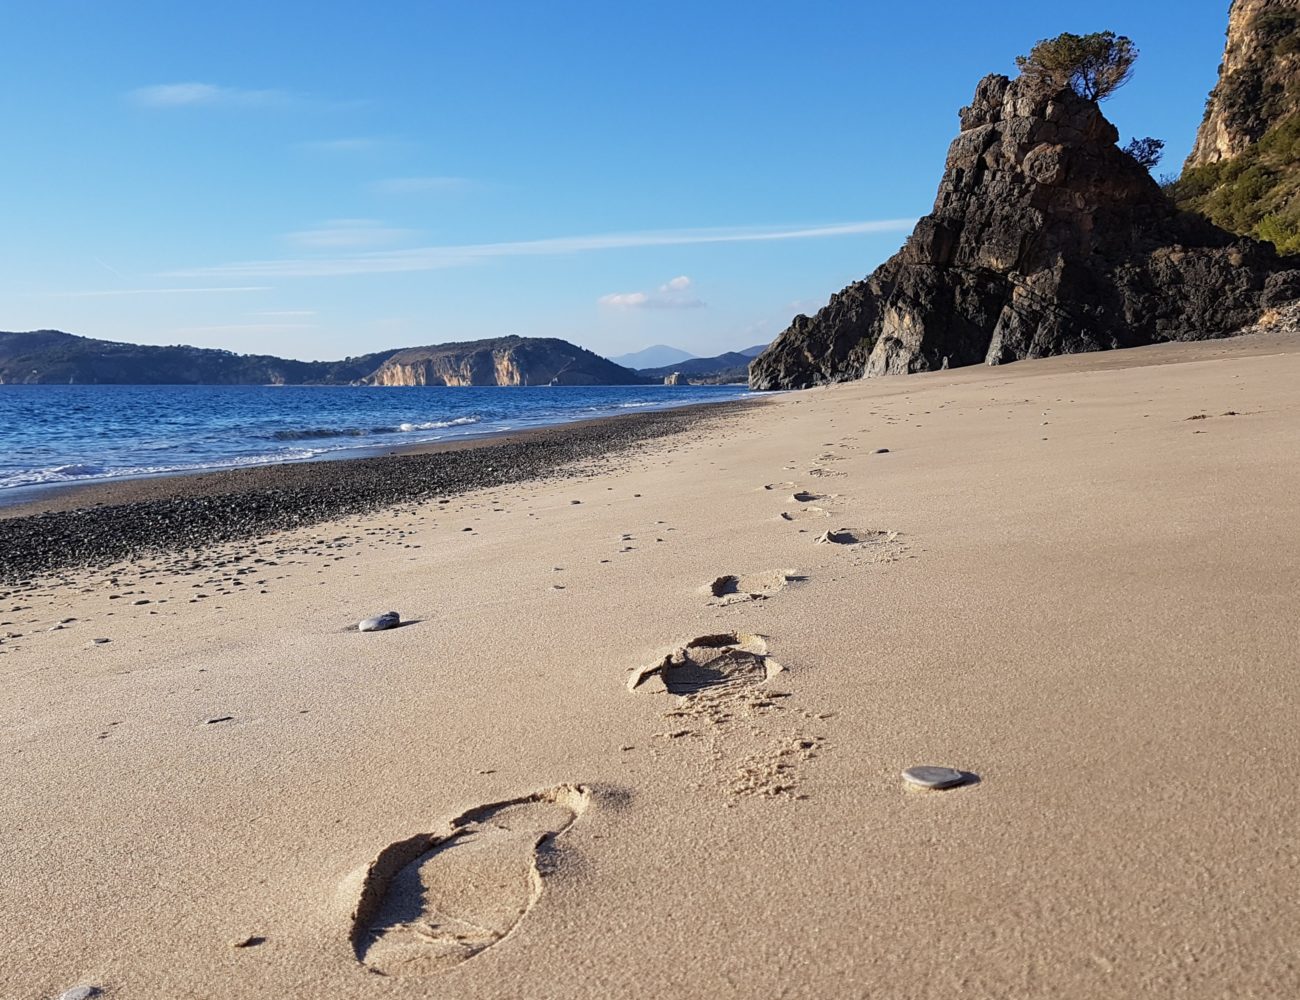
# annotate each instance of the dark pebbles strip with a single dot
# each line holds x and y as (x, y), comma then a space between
(192, 512)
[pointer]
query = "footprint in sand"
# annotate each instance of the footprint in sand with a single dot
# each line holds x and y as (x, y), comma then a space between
(711, 663)
(726, 705)
(733, 589)
(431, 902)
(881, 546)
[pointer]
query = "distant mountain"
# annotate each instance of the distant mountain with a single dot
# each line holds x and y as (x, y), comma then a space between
(730, 367)
(50, 357)
(753, 352)
(652, 357)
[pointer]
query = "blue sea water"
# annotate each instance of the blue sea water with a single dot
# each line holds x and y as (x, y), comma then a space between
(54, 434)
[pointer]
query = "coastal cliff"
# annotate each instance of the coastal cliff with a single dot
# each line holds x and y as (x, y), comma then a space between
(1244, 171)
(1045, 238)
(506, 361)
(1258, 80)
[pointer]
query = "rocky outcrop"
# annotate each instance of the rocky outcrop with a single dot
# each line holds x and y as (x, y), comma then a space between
(1259, 79)
(505, 361)
(1244, 171)
(676, 378)
(1045, 238)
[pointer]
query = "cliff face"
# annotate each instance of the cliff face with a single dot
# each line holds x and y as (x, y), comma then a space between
(507, 361)
(1045, 238)
(1244, 171)
(1258, 79)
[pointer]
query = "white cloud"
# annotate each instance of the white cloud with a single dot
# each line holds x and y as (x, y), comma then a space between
(189, 95)
(670, 295)
(339, 234)
(161, 291)
(421, 185)
(436, 257)
(624, 300)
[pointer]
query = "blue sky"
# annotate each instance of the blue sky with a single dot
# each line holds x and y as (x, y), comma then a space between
(324, 179)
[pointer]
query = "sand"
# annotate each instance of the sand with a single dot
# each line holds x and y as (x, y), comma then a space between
(1075, 579)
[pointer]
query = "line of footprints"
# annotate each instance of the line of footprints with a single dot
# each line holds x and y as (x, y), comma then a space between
(433, 901)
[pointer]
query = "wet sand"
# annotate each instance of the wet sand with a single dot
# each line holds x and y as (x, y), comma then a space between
(643, 732)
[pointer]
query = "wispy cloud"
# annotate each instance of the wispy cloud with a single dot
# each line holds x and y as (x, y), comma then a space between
(285, 313)
(160, 291)
(341, 234)
(674, 294)
(190, 95)
(422, 185)
(437, 257)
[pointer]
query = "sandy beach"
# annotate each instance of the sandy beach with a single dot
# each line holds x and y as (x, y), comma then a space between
(641, 734)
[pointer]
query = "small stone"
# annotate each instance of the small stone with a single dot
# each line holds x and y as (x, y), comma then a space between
(925, 776)
(79, 993)
(252, 941)
(880, 451)
(389, 619)
(99, 642)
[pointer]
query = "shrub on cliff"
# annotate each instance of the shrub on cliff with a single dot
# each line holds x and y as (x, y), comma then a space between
(1256, 193)
(1146, 151)
(1094, 65)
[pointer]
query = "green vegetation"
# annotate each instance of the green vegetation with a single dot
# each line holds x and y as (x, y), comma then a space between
(1094, 65)
(1146, 151)
(1279, 29)
(1256, 193)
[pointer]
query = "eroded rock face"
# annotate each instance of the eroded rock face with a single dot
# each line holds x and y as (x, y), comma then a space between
(1259, 79)
(1045, 238)
(506, 361)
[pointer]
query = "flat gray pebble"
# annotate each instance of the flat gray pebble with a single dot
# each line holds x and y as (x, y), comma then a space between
(880, 451)
(925, 776)
(389, 619)
(79, 993)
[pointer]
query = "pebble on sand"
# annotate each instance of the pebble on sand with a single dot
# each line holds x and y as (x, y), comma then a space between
(880, 451)
(925, 776)
(389, 619)
(79, 993)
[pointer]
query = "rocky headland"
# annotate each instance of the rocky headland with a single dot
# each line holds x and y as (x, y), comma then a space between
(1045, 238)
(506, 361)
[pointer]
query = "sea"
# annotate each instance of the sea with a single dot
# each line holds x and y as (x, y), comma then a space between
(57, 435)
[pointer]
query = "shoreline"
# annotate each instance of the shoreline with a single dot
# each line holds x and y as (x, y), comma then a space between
(96, 523)
(30, 496)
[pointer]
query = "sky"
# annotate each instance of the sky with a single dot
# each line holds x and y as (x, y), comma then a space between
(325, 179)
